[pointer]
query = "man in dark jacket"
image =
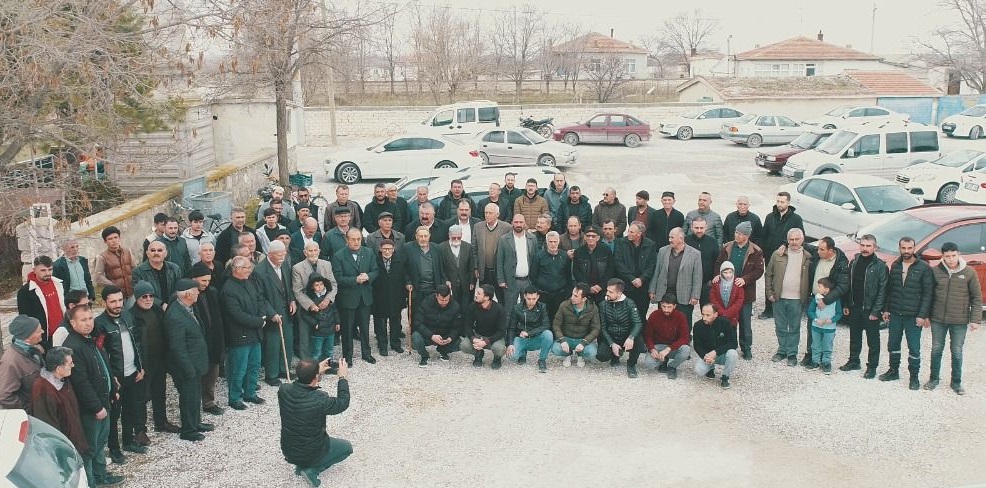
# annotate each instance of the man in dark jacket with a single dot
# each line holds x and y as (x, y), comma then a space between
(551, 274)
(245, 311)
(389, 297)
(863, 303)
(740, 215)
(355, 269)
(189, 358)
(635, 258)
(274, 277)
(449, 204)
(484, 325)
(209, 312)
(663, 220)
(610, 208)
(94, 388)
(505, 205)
(303, 408)
(116, 332)
(956, 309)
(775, 227)
(424, 266)
(620, 328)
(378, 205)
(529, 329)
(73, 270)
(910, 288)
(437, 322)
(230, 236)
(642, 211)
(748, 261)
(149, 324)
(829, 262)
(437, 230)
(458, 259)
(177, 248)
(157, 272)
(577, 205)
(708, 248)
(715, 343)
(593, 264)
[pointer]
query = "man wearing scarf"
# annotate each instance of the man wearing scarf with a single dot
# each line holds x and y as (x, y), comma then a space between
(22, 364)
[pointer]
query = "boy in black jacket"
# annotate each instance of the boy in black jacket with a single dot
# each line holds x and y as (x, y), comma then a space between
(715, 343)
(323, 324)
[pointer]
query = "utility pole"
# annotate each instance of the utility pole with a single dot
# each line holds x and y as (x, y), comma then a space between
(873, 27)
(330, 86)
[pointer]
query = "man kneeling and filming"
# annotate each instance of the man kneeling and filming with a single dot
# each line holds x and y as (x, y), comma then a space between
(303, 407)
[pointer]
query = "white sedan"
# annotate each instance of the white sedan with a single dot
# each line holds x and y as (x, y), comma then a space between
(474, 176)
(755, 130)
(839, 204)
(848, 115)
(701, 122)
(973, 187)
(399, 156)
(970, 122)
(523, 146)
(939, 180)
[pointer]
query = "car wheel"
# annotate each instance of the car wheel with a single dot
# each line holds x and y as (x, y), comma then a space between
(348, 173)
(445, 165)
(828, 126)
(485, 157)
(947, 193)
(571, 138)
(975, 133)
(546, 131)
(631, 140)
(685, 133)
(755, 140)
(546, 160)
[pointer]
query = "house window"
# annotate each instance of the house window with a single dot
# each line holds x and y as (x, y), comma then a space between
(595, 64)
(810, 69)
(631, 66)
(784, 69)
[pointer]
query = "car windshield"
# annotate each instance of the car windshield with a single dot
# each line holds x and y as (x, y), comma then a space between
(839, 111)
(805, 140)
(957, 158)
(977, 111)
(836, 142)
(746, 119)
(885, 198)
(532, 136)
(888, 232)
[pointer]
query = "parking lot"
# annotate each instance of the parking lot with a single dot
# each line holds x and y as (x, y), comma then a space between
(454, 425)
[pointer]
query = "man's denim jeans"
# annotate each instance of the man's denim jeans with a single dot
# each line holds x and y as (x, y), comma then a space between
(541, 343)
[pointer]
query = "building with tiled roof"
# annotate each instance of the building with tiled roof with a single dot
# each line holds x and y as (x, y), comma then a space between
(590, 50)
(800, 56)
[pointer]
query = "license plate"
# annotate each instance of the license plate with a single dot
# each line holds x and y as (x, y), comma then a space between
(761, 162)
(971, 186)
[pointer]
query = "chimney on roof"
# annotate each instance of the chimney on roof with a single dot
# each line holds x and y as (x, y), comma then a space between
(610, 32)
(821, 37)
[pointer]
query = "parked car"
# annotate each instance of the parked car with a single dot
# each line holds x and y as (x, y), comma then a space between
(522, 146)
(930, 226)
(849, 115)
(755, 130)
(702, 122)
(840, 204)
(873, 148)
(460, 120)
(34, 454)
(973, 187)
(396, 157)
(475, 175)
(774, 159)
(970, 122)
(606, 128)
(938, 180)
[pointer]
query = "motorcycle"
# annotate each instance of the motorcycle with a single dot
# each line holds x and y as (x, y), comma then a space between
(542, 126)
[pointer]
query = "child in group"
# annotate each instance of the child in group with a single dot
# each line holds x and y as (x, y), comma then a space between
(324, 323)
(823, 319)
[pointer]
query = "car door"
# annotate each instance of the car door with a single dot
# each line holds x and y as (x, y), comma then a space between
(897, 157)
(594, 130)
(708, 123)
(787, 130)
(970, 238)
(766, 126)
(863, 156)
(808, 201)
(443, 119)
(838, 221)
(465, 122)
(494, 145)
(519, 149)
(393, 161)
(616, 129)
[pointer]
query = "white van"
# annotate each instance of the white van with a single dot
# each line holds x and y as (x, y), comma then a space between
(461, 119)
(873, 148)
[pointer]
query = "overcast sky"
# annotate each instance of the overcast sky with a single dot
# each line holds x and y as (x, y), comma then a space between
(750, 22)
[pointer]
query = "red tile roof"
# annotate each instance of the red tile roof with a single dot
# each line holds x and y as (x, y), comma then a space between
(892, 82)
(804, 49)
(595, 42)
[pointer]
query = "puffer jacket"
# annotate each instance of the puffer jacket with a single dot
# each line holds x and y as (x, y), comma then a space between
(91, 378)
(958, 296)
(303, 410)
(911, 298)
(431, 319)
(533, 321)
(530, 208)
(620, 320)
(874, 286)
(584, 326)
(566, 209)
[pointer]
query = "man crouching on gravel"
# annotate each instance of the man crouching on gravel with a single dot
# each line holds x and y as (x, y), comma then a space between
(303, 407)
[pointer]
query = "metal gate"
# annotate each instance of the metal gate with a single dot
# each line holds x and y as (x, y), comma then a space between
(921, 109)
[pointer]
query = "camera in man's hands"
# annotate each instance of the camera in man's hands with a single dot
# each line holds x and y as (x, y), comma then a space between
(333, 365)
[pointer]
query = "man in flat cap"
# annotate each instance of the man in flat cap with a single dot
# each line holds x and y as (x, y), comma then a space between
(22, 364)
(189, 358)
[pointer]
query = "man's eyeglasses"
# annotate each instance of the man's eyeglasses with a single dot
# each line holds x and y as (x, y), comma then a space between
(148, 295)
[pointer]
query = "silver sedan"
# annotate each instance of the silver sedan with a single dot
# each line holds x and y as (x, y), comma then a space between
(756, 130)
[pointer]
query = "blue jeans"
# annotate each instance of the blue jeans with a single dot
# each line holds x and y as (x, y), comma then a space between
(900, 326)
(938, 333)
(588, 352)
(322, 347)
(243, 371)
(821, 345)
(787, 324)
(97, 434)
(728, 361)
(541, 343)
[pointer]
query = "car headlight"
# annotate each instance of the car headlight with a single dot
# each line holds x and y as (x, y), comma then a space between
(771, 158)
(923, 177)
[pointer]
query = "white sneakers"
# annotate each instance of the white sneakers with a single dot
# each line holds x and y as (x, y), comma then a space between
(567, 361)
(580, 361)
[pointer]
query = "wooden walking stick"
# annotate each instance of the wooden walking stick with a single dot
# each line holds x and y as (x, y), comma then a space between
(284, 349)
(410, 324)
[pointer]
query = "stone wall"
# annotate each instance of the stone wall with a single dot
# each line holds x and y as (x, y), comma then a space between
(387, 121)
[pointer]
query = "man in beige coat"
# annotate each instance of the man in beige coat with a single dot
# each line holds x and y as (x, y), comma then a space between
(300, 273)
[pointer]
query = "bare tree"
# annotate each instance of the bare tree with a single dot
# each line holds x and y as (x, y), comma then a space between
(449, 50)
(546, 59)
(517, 42)
(607, 77)
(686, 34)
(570, 56)
(389, 45)
(962, 46)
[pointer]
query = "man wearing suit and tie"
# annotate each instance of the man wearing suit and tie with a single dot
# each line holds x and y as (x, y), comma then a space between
(355, 269)
(273, 275)
(459, 262)
(300, 273)
(307, 234)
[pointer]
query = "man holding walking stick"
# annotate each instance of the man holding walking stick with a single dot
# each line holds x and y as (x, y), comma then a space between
(189, 358)
(274, 277)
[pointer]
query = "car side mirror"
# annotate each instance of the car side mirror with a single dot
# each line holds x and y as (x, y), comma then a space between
(931, 255)
(850, 206)
(378, 149)
(700, 117)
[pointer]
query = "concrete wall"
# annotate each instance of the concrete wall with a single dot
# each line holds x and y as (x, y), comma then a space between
(388, 121)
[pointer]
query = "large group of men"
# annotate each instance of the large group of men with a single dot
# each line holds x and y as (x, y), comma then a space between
(524, 269)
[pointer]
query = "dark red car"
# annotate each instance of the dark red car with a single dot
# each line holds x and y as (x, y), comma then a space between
(774, 159)
(930, 226)
(606, 129)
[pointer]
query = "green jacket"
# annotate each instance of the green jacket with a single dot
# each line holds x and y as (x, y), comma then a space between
(958, 297)
(188, 352)
(584, 326)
